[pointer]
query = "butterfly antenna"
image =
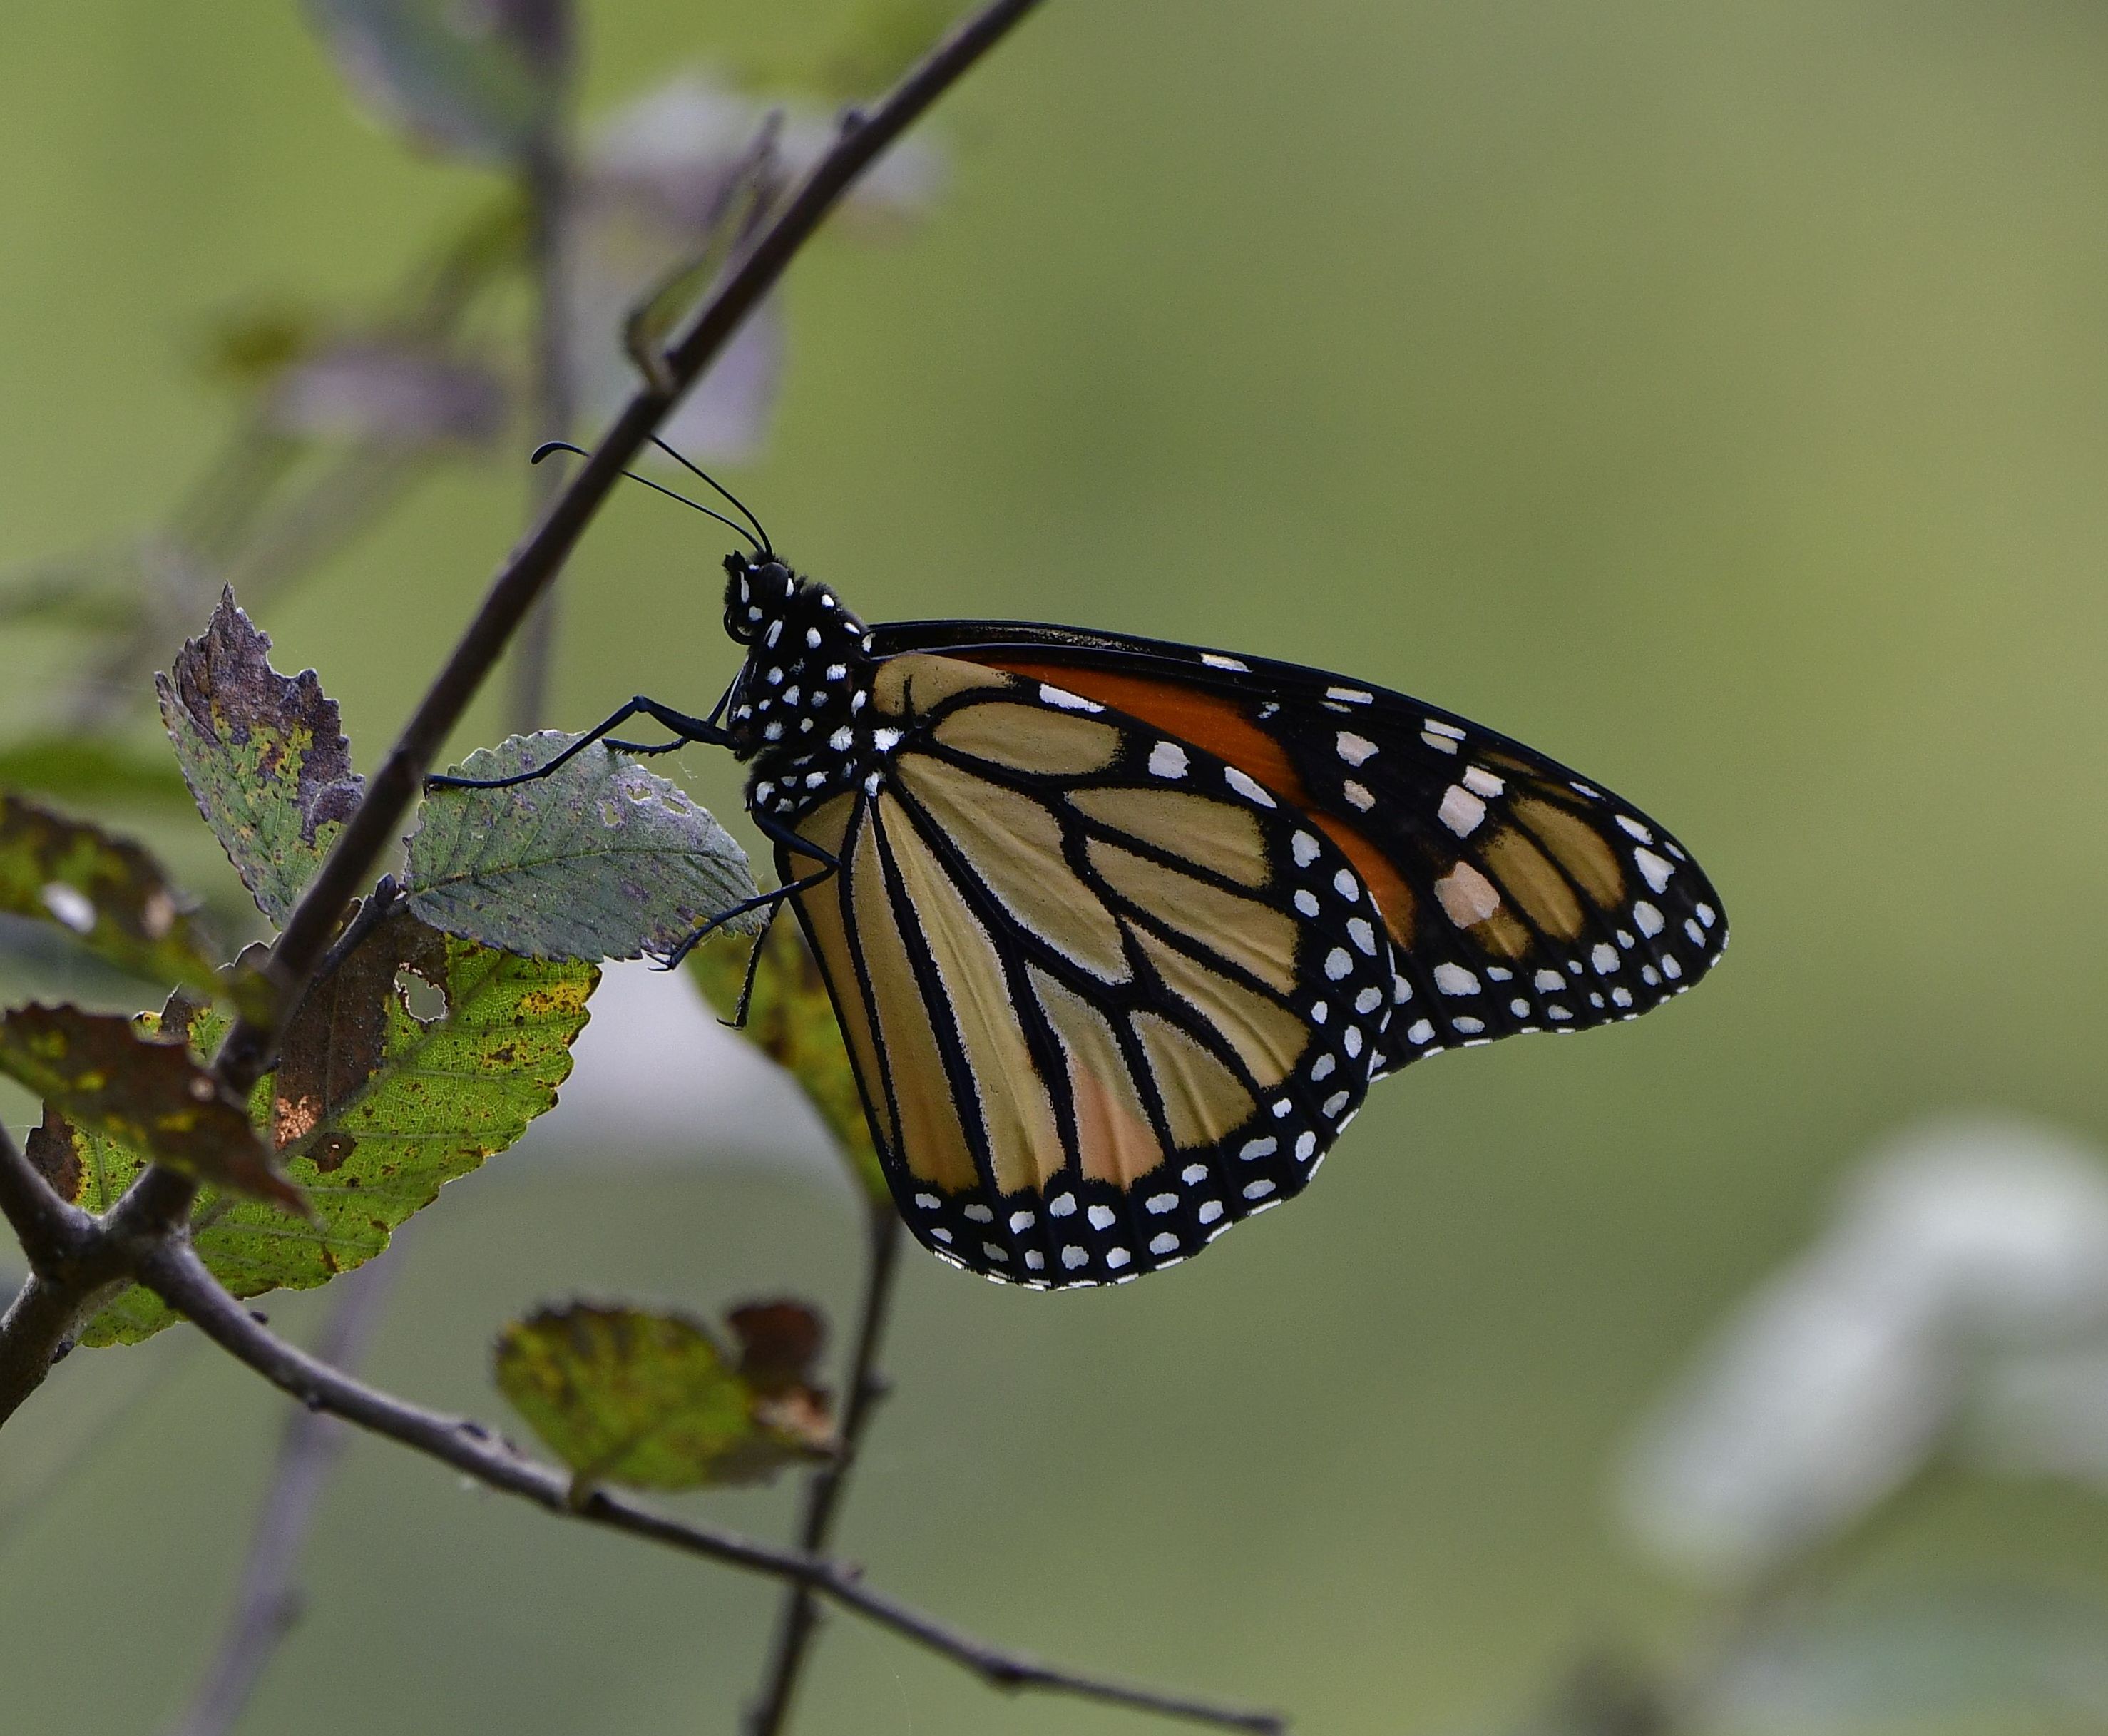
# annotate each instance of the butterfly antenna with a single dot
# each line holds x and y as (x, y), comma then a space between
(768, 549)
(760, 547)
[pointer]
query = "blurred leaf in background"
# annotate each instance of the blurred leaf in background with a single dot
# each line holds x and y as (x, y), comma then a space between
(625, 1395)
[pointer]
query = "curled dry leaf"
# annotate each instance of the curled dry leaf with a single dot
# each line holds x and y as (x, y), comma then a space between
(264, 754)
(127, 1083)
(601, 859)
(791, 1018)
(107, 893)
(626, 1396)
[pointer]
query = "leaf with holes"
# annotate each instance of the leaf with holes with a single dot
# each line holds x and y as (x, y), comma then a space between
(263, 753)
(128, 1083)
(792, 1021)
(599, 859)
(625, 1395)
(419, 1058)
(108, 893)
(480, 80)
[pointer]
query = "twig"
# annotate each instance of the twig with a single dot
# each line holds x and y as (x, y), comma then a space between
(179, 1277)
(155, 1208)
(70, 1267)
(796, 1626)
(270, 1601)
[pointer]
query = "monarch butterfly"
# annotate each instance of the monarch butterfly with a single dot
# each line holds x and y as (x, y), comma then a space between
(1119, 932)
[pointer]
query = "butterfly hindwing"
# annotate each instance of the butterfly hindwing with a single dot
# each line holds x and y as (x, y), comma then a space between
(1105, 992)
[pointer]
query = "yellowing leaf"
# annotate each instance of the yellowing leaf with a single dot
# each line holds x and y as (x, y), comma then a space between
(107, 893)
(625, 1395)
(420, 1057)
(105, 1073)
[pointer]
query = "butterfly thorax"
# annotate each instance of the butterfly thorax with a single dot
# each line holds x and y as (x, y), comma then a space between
(799, 707)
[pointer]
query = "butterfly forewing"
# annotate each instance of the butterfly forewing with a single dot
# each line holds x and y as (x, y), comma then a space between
(1106, 991)
(1518, 896)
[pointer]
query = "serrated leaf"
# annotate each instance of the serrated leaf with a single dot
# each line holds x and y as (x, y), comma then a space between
(791, 1020)
(264, 754)
(107, 893)
(625, 1395)
(477, 78)
(108, 1074)
(601, 859)
(378, 1101)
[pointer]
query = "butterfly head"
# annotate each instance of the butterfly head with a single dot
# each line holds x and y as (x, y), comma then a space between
(757, 594)
(805, 675)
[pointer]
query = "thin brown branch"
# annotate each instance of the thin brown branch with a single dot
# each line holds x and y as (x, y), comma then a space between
(799, 1619)
(71, 1270)
(179, 1277)
(269, 1602)
(155, 1208)
(532, 566)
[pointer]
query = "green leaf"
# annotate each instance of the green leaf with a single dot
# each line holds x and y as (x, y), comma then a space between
(623, 1395)
(791, 1020)
(264, 755)
(420, 1057)
(599, 859)
(124, 1080)
(90, 768)
(477, 79)
(109, 894)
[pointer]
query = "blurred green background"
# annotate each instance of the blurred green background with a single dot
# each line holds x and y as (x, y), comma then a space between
(1716, 397)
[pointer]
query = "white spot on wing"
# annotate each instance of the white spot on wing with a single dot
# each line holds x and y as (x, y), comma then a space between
(1481, 782)
(1653, 869)
(1649, 920)
(1066, 701)
(1304, 848)
(1214, 660)
(1355, 749)
(1461, 811)
(1246, 786)
(1167, 759)
(1358, 795)
(1351, 696)
(1453, 978)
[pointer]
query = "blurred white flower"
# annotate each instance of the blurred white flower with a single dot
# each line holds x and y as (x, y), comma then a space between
(656, 178)
(1959, 1245)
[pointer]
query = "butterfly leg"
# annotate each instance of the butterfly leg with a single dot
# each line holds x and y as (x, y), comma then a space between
(771, 901)
(684, 727)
